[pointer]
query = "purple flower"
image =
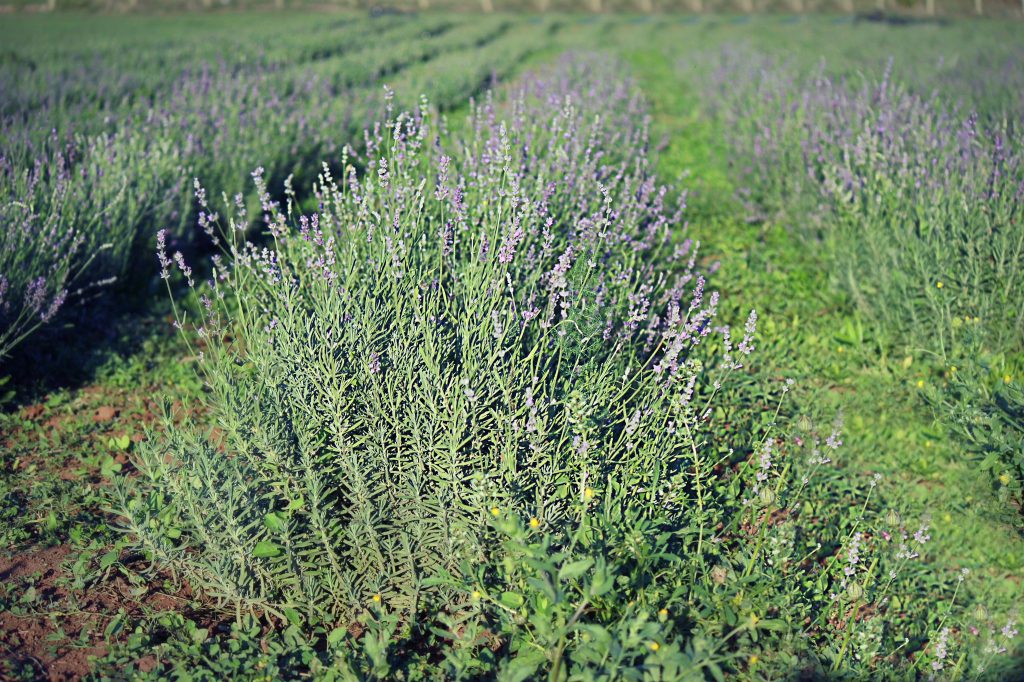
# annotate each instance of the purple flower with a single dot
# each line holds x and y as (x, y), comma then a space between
(161, 254)
(750, 328)
(179, 259)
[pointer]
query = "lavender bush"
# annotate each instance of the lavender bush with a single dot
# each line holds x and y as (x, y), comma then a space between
(480, 402)
(448, 299)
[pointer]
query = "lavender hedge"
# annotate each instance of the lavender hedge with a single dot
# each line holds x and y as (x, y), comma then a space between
(917, 203)
(103, 185)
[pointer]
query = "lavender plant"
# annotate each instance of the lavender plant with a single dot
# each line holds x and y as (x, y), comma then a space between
(37, 252)
(463, 302)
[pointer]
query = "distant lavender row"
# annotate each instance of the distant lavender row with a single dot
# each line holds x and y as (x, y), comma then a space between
(99, 78)
(85, 202)
(77, 202)
(919, 201)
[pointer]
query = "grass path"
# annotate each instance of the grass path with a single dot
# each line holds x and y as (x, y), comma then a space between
(810, 334)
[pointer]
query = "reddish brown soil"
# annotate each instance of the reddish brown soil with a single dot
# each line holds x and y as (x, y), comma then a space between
(58, 633)
(66, 628)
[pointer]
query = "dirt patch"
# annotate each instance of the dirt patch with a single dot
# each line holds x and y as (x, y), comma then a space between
(33, 412)
(104, 413)
(58, 632)
(27, 637)
(58, 453)
(45, 562)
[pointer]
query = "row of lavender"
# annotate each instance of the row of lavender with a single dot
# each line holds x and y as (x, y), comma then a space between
(917, 198)
(479, 417)
(87, 171)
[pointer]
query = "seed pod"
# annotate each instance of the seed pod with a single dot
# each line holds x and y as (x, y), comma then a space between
(981, 613)
(892, 518)
(767, 496)
(854, 591)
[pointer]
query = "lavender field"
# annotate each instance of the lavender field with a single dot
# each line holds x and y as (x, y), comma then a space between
(406, 346)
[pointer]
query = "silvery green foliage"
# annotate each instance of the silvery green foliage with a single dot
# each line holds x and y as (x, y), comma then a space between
(501, 319)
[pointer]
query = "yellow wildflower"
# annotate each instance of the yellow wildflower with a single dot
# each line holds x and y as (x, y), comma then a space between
(938, 285)
(754, 660)
(654, 646)
(534, 522)
(495, 511)
(376, 599)
(588, 493)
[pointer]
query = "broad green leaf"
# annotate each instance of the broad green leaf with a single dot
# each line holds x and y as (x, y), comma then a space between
(266, 549)
(512, 600)
(335, 636)
(108, 559)
(274, 522)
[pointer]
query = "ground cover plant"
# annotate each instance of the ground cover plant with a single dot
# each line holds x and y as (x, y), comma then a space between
(473, 394)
